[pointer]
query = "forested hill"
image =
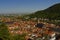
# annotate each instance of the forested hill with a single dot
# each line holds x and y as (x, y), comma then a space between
(53, 9)
(52, 12)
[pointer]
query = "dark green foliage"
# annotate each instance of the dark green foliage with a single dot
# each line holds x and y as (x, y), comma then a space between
(19, 37)
(52, 12)
(4, 33)
(53, 9)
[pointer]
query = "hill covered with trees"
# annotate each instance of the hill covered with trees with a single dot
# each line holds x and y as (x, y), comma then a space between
(52, 12)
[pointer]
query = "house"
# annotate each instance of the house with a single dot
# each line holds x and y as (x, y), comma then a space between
(39, 25)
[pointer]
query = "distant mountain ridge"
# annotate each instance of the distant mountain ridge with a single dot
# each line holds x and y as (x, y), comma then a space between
(52, 12)
(54, 8)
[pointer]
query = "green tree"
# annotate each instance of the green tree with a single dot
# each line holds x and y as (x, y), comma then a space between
(4, 33)
(19, 37)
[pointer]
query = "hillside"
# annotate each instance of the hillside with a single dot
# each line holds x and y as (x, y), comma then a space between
(55, 8)
(52, 12)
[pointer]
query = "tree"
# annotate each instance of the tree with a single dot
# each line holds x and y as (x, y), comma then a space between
(4, 33)
(19, 37)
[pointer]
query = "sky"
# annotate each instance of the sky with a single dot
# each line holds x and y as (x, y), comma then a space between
(25, 6)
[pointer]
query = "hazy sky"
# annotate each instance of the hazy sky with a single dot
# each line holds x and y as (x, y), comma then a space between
(23, 6)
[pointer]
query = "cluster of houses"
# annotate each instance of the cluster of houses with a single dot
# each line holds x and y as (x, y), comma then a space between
(34, 30)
